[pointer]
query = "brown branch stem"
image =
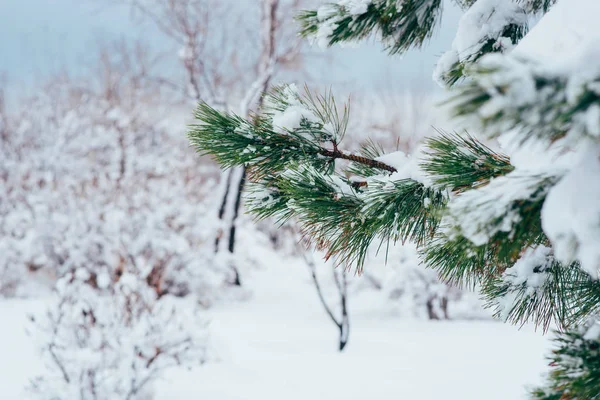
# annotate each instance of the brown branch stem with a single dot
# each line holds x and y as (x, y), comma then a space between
(335, 153)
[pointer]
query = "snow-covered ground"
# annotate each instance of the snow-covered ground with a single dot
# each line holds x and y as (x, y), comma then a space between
(280, 345)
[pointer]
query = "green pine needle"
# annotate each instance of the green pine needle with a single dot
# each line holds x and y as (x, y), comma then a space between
(401, 26)
(460, 162)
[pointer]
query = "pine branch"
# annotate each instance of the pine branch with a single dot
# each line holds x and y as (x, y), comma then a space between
(460, 69)
(460, 263)
(264, 199)
(346, 221)
(505, 214)
(369, 150)
(393, 210)
(400, 24)
(543, 292)
(265, 148)
(575, 366)
(325, 205)
(449, 73)
(536, 6)
(460, 162)
(511, 93)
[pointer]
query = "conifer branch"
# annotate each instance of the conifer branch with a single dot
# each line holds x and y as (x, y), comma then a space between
(504, 215)
(265, 148)
(460, 68)
(370, 150)
(575, 366)
(401, 24)
(536, 6)
(459, 162)
(510, 92)
(458, 262)
(551, 293)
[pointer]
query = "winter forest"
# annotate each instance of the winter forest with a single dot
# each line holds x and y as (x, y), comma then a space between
(299, 199)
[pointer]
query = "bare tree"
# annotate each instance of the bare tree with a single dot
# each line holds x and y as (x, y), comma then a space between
(236, 178)
(339, 277)
(220, 72)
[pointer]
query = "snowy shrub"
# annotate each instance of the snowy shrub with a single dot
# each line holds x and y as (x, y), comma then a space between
(107, 185)
(407, 289)
(112, 343)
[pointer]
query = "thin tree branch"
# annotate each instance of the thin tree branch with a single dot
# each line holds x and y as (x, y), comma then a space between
(58, 363)
(337, 154)
(313, 272)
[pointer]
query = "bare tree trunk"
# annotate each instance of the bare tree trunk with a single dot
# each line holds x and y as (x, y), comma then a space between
(431, 309)
(342, 323)
(258, 89)
(230, 208)
(344, 326)
(222, 208)
(236, 210)
(444, 305)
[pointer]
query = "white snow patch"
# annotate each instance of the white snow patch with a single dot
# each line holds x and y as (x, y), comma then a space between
(562, 31)
(571, 213)
(280, 344)
(485, 211)
(529, 269)
(593, 332)
(355, 7)
(294, 114)
(407, 167)
(444, 65)
(485, 20)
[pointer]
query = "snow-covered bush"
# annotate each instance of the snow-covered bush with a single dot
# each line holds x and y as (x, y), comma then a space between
(92, 201)
(111, 343)
(104, 181)
(408, 289)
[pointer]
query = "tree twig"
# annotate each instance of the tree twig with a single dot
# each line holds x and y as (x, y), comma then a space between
(313, 273)
(335, 154)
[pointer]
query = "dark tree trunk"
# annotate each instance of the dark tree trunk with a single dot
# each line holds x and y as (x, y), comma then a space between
(236, 210)
(223, 208)
(255, 95)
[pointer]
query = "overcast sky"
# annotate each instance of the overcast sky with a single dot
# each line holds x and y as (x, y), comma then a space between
(39, 37)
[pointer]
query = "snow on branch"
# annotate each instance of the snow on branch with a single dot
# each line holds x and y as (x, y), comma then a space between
(538, 288)
(401, 24)
(294, 175)
(575, 365)
(488, 26)
(508, 206)
(571, 213)
(539, 101)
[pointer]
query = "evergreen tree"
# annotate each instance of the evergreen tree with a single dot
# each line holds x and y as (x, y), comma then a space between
(524, 226)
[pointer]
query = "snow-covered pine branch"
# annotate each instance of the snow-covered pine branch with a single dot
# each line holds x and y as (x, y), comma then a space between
(399, 24)
(523, 226)
(487, 26)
